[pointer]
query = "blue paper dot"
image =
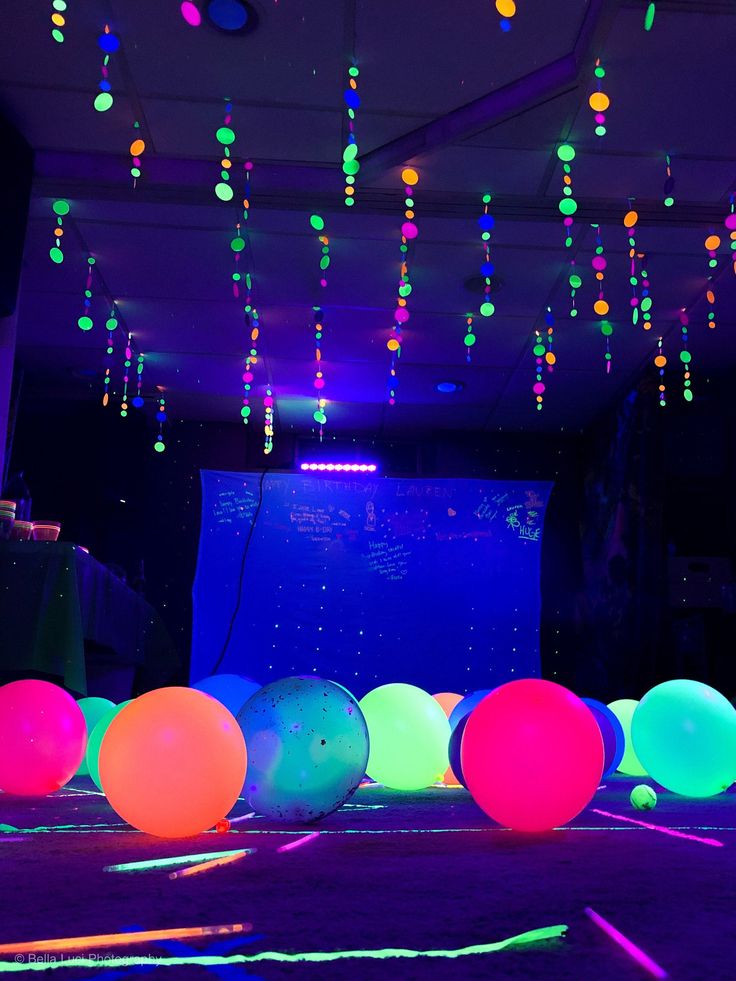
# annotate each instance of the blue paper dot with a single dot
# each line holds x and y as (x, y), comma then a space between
(137, 402)
(487, 269)
(486, 221)
(104, 85)
(352, 99)
(505, 24)
(108, 42)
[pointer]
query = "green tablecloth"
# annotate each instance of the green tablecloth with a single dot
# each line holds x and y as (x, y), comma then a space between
(54, 598)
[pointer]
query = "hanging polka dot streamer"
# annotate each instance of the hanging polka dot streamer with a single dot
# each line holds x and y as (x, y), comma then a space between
(61, 210)
(237, 245)
(646, 296)
(268, 403)
(85, 322)
(669, 183)
(252, 321)
(109, 43)
(730, 223)
(544, 357)
(568, 205)
(630, 220)
(660, 362)
(600, 307)
(574, 282)
(159, 446)
(409, 232)
(649, 14)
(486, 223)
(599, 101)
(225, 136)
(136, 150)
(318, 225)
(138, 400)
(469, 338)
(111, 325)
(685, 358)
(319, 414)
(506, 10)
(350, 164)
(127, 363)
(58, 20)
(712, 243)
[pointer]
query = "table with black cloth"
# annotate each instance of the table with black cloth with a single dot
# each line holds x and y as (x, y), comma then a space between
(61, 610)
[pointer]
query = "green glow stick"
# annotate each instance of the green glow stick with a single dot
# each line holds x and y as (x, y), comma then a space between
(162, 863)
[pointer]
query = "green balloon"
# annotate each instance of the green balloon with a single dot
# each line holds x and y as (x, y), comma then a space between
(94, 742)
(92, 709)
(103, 101)
(684, 733)
(225, 135)
(624, 709)
(409, 735)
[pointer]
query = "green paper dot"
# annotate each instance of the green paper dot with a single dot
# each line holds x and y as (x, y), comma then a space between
(568, 206)
(349, 202)
(111, 323)
(646, 303)
(237, 244)
(349, 179)
(158, 446)
(600, 130)
(487, 309)
(713, 263)
(85, 323)
(324, 262)
(575, 281)
(320, 417)
(486, 199)
(668, 202)
(224, 192)
(566, 152)
(245, 411)
(88, 294)
(600, 72)
(606, 329)
(649, 16)
(688, 395)
(57, 35)
(351, 114)
(573, 312)
(350, 152)
(409, 202)
(56, 255)
(685, 357)
(59, 5)
(538, 350)
(103, 101)
(351, 167)
(135, 172)
(485, 236)
(316, 222)
(567, 191)
(91, 260)
(405, 290)
(61, 208)
(470, 340)
(635, 316)
(353, 71)
(123, 413)
(225, 135)
(568, 242)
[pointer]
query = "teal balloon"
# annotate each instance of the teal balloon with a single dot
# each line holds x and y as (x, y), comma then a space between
(92, 709)
(307, 746)
(231, 690)
(684, 733)
(92, 756)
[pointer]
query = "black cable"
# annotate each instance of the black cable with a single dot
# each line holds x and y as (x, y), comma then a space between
(234, 617)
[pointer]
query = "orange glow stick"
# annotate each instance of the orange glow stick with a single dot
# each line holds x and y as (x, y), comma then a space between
(212, 864)
(121, 939)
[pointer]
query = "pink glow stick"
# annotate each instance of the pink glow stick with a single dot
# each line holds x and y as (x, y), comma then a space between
(628, 945)
(658, 827)
(298, 842)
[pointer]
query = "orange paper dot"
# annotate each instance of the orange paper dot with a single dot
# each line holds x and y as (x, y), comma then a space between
(712, 243)
(137, 147)
(600, 307)
(599, 102)
(630, 219)
(409, 176)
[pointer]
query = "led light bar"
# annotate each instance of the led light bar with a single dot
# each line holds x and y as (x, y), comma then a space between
(341, 467)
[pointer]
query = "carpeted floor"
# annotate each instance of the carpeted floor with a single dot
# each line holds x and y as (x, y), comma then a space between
(425, 871)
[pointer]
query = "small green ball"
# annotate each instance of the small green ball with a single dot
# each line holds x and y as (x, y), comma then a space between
(643, 798)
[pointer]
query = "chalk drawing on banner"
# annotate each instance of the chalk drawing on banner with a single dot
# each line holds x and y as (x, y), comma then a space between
(233, 506)
(389, 559)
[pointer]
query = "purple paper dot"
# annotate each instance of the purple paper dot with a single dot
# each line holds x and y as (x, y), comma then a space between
(599, 263)
(409, 229)
(401, 315)
(538, 388)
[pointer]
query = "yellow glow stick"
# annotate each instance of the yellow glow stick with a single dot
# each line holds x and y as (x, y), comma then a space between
(212, 864)
(121, 939)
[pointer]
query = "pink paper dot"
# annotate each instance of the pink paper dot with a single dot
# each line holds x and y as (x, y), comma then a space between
(319, 383)
(634, 301)
(599, 263)
(268, 402)
(567, 222)
(401, 315)
(409, 229)
(538, 388)
(600, 118)
(730, 221)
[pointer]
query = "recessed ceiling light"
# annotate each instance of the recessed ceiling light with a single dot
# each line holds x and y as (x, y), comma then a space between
(448, 387)
(232, 16)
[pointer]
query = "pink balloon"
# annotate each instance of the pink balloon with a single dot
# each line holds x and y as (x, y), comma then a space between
(530, 755)
(43, 737)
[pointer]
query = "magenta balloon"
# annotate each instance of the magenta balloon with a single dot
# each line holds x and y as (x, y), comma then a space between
(532, 755)
(43, 736)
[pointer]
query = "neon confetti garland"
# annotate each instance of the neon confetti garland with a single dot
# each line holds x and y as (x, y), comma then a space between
(600, 307)
(61, 209)
(486, 223)
(712, 243)
(58, 20)
(660, 361)
(85, 322)
(159, 446)
(350, 164)
(685, 358)
(470, 338)
(111, 325)
(109, 44)
(319, 416)
(568, 205)
(543, 356)
(599, 101)
(136, 149)
(669, 183)
(126, 374)
(630, 220)
(575, 282)
(225, 136)
(268, 404)
(409, 231)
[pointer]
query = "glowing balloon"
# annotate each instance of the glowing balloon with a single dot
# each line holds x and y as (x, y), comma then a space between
(307, 748)
(684, 733)
(92, 709)
(466, 706)
(455, 749)
(42, 738)
(94, 741)
(233, 690)
(173, 762)
(624, 709)
(532, 755)
(447, 700)
(614, 741)
(408, 736)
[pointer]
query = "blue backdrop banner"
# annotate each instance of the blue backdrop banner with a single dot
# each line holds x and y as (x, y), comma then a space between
(366, 580)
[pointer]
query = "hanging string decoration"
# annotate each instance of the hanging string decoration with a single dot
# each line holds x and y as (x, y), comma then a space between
(409, 231)
(268, 420)
(630, 220)
(127, 362)
(109, 44)
(669, 183)
(486, 223)
(646, 296)
(543, 356)
(319, 416)
(252, 321)
(85, 321)
(568, 205)
(599, 101)
(660, 361)
(711, 243)
(686, 359)
(225, 136)
(600, 306)
(575, 282)
(506, 10)
(237, 244)
(159, 446)
(61, 210)
(350, 164)
(649, 15)
(136, 150)
(470, 337)
(730, 223)
(138, 400)
(58, 20)
(111, 325)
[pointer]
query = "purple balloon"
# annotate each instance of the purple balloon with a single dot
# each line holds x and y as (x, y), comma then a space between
(466, 706)
(614, 741)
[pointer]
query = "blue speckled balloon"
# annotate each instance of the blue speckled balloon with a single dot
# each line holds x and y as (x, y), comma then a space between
(307, 744)
(466, 707)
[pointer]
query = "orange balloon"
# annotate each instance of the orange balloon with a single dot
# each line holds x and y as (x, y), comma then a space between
(630, 219)
(448, 700)
(600, 307)
(599, 102)
(173, 762)
(712, 243)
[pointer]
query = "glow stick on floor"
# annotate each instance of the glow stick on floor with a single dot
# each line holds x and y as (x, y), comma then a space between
(224, 824)
(298, 842)
(658, 827)
(162, 863)
(121, 939)
(628, 945)
(215, 863)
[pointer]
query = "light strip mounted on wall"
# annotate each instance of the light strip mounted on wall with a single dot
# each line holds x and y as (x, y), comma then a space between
(341, 467)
